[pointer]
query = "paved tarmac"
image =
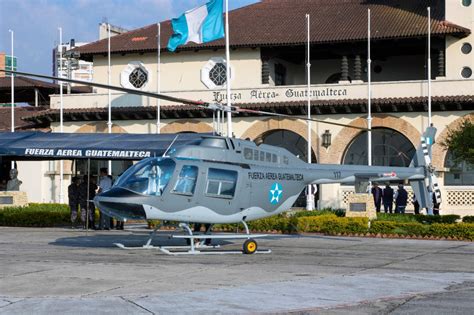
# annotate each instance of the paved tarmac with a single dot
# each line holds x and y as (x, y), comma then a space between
(58, 271)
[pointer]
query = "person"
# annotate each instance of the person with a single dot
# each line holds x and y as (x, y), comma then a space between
(197, 229)
(387, 197)
(73, 195)
(87, 193)
(377, 194)
(401, 198)
(105, 183)
(416, 204)
(436, 206)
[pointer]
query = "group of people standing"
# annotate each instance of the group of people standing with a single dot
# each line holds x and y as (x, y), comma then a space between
(388, 196)
(81, 192)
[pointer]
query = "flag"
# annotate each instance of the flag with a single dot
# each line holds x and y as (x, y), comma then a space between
(199, 25)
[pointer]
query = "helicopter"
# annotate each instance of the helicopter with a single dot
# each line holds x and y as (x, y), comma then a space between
(221, 179)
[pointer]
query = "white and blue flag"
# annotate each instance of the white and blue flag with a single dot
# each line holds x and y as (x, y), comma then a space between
(199, 25)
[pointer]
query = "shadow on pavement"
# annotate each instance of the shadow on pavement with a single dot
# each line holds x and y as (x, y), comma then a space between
(95, 239)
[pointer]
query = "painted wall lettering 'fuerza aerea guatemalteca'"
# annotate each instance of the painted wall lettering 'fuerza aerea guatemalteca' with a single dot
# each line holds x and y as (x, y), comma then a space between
(199, 25)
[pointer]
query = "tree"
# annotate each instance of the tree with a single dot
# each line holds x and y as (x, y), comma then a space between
(460, 142)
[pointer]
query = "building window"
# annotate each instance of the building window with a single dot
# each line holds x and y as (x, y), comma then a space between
(466, 72)
(186, 180)
(138, 78)
(458, 174)
(280, 74)
(214, 73)
(221, 183)
(466, 3)
(218, 74)
(135, 76)
(389, 148)
(466, 48)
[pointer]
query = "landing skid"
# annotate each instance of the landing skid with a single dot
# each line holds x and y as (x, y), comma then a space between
(198, 246)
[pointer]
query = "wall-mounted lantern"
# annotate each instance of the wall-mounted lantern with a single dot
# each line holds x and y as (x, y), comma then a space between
(326, 139)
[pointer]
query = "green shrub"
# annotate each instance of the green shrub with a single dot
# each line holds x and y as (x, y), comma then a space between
(332, 224)
(37, 215)
(430, 219)
(468, 219)
(382, 227)
(395, 217)
(459, 230)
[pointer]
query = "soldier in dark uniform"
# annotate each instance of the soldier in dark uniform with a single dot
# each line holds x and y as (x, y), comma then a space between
(401, 198)
(85, 194)
(73, 194)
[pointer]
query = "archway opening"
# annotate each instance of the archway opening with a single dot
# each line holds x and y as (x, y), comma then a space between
(294, 143)
(389, 148)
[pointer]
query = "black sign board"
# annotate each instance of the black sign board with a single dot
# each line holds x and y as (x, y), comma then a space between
(6, 200)
(358, 207)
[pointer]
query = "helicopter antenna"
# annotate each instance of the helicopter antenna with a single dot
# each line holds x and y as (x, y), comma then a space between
(171, 144)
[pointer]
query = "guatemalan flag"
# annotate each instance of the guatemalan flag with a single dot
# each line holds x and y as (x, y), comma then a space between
(200, 25)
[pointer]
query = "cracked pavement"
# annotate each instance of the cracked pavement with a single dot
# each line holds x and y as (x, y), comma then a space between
(58, 270)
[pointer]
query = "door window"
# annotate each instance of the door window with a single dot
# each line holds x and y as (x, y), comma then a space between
(221, 183)
(186, 180)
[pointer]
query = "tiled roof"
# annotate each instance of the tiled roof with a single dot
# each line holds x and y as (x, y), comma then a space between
(283, 23)
(24, 82)
(20, 113)
(381, 105)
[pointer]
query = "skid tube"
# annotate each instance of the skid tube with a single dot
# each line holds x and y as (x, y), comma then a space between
(197, 248)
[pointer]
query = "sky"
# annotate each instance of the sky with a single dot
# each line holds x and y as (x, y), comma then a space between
(35, 23)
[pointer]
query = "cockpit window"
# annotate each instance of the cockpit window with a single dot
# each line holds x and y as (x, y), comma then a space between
(187, 180)
(149, 177)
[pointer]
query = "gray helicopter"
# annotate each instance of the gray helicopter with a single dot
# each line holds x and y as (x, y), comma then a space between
(227, 180)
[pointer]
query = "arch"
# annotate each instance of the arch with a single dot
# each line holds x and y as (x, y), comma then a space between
(389, 148)
(439, 153)
(293, 142)
(100, 127)
(261, 127)
(187, 126)
(345, 137)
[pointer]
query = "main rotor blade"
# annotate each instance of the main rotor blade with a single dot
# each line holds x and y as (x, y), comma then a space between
(201, 104)
(252, 111)
(112, 87)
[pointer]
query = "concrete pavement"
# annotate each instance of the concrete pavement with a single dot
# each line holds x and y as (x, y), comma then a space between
(57, 271)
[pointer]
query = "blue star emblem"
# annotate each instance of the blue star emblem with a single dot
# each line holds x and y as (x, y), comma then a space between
(275, 194)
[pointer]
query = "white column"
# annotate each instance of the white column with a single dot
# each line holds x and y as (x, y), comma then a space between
(61, 112)
(109, 73)
(429, 66)
(12, 83)
(309, 196)
(158, 81)
(227, 53)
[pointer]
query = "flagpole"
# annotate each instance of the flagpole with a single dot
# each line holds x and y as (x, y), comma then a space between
(429, 66)
(309, 197)
(227, 53)
(369, 96)
(61, 112)
(12, 91)
(158, 81)
(109, 79)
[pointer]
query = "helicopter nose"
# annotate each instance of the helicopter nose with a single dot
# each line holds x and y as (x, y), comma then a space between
(119, 203)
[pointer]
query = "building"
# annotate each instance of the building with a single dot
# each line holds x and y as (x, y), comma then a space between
(7, 63)
(268, 59)
(72, 67)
